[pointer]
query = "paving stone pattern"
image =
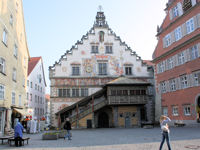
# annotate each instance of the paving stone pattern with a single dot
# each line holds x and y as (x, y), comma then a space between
(182, 138)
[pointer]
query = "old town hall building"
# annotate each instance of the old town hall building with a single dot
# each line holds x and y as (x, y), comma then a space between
(101, 82)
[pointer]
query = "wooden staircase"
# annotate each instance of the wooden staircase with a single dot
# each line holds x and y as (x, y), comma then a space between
(88, 111)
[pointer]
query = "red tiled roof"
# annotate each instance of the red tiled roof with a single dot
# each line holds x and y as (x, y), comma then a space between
(32, 62)
(148, 62)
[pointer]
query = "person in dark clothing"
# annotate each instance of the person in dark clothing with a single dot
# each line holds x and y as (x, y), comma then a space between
(18, 134)
(67, 127)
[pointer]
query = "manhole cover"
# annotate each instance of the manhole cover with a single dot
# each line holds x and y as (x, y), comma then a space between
(192, 147)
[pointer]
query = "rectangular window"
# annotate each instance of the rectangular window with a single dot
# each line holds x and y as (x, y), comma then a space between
(196, 77)
(161, 67)
(27, 83)
(167, 40)
(5, 37)
(35, 86)
(175, 11)
(132, 92)
(84, 92)
(102, 68)
(170, 63)
(38, 100)
(15, 50)
(2, 92)
(194, 52)
(165, 111)
(128, 70)
(68, 93)
(35, 98)
(181, 58)
(163, 87)
(113, 92)
(75, 92)
(190, 25)
(184, 81)
(175, 110)
(27, 96)
(95, 49)
(11, 20)
(172, 84)
(125, 92)
(187, 111)
(178, 34)
(108, 49)
(30, 97)
(75, 70)
(20, 100)
(2, 65)
(14, 75)
(31, 85)
(13, 98)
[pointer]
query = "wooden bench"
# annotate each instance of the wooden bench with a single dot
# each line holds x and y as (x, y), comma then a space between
(10, 140)
(5, 138)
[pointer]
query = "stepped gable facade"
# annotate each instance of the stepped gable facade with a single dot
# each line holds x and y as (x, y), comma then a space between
(177, 62)
(98, 58)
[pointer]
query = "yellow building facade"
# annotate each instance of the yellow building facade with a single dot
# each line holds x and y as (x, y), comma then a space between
(14, 57)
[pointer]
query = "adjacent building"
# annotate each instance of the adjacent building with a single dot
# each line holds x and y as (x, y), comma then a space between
(14, 57)
(177, 62)
(47, 109)
(98, 58)
(36, 84)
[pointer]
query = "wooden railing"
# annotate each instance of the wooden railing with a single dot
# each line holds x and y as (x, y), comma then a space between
(87, 111)
(138, 99)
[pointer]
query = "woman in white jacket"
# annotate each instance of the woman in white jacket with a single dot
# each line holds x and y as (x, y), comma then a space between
(165, 131)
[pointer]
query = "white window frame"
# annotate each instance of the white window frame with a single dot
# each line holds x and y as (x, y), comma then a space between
(2, 65)
(181, 58)
(187, 110)
(13, 98)
(168, 40)
(15, 50)
(94, 49)
(196, 78)
(20, 100)
(84, 92)
(165, 111)
(109, 49)
(194, 52)
(163, 87)
(175, 11)
(178, 33)
(5, 37)
(14, 74)
(102, 68)
(2, 92)
(184, 81)
(190, 25)
(76, 70)
(175, 110)
(172, 84)
(128, 70)
(170, 63)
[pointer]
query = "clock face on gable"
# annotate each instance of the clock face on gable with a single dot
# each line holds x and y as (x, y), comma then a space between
(88, 68)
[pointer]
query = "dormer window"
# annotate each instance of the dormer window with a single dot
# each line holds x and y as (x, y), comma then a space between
(128, 68)
(175, 11)
(95, 49)
(167, 40)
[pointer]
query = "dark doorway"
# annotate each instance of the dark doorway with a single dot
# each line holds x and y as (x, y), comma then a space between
(143, 114)
(127, 122)
(103, 120)
(89, 123)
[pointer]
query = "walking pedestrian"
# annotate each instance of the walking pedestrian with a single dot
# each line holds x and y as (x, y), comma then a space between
(165, 131)
(18, 134)
(67, 127)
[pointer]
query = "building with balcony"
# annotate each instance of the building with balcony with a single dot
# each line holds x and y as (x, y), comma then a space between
(14, 57)
(95, 60)
(36, 84)
(177, 62)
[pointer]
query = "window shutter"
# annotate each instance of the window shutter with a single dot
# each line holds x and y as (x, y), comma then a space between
(186, 55)
(178, 83)
(195, 22)
(164, 42)
(167, 86)
(173, 36)
(194, 2)
(157, 69)
(183, 29)
(167, 65)
(180, 8)
(198, 47)
(198, 20)
(175, 60)
(170, 14)
(189, 80)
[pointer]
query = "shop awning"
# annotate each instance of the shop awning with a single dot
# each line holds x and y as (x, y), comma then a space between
(22, 112)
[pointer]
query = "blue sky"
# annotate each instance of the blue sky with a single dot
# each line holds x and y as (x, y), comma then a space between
(53, 26)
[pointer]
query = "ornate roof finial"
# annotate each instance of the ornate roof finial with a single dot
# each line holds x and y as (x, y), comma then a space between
(100, 8)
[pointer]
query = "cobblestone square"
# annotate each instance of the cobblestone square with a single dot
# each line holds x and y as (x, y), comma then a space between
(182, 138)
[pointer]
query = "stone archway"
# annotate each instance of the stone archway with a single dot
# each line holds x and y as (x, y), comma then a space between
(103, 120)
(198, 108)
